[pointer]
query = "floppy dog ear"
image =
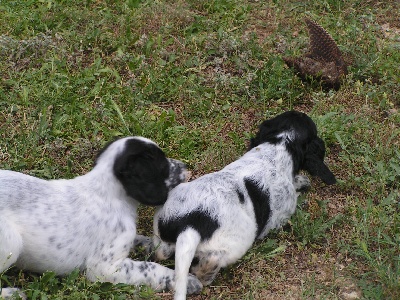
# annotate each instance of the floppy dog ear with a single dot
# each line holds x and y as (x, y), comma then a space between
(143, 169)
(314, 161)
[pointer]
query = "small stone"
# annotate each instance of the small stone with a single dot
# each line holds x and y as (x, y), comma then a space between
(351, 295)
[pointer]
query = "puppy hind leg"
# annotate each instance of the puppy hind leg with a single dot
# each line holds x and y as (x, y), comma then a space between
(162, 249)
(208, 267)
(186, 245)
(10, 249)
(10, 245)
(133, 272)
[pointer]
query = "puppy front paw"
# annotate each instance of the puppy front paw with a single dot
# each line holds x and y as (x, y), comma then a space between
(194, 285)
(144, 242)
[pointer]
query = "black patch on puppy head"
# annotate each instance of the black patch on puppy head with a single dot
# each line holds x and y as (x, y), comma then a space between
(303, 144)
(260, 199)
(298, 122)
(200, 221)
(142, 168)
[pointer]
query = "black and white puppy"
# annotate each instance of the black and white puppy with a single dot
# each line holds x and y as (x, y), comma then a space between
(89, 222)
(216, 218)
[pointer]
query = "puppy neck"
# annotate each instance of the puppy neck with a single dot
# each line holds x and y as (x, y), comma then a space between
(102, 182)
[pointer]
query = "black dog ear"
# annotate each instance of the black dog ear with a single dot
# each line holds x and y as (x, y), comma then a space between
(142, 169)
(314, 161)
(124, 164)
(138, 160)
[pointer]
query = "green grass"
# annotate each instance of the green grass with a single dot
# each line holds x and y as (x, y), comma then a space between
(198, 77)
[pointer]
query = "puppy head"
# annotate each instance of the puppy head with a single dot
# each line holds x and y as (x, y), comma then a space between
(143, 170)
(299, 133)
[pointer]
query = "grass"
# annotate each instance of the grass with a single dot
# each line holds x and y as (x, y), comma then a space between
(198, 77)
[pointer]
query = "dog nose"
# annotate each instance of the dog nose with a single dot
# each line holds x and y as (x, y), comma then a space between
(177, 173)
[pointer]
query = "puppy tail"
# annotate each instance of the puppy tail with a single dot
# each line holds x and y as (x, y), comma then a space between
(186, 245)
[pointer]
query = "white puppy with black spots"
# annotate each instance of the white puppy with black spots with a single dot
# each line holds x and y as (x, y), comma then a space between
(89, 222)
(213, 220)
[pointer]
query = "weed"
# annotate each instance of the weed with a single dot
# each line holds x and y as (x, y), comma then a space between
(74, 286)
(313, 229)
(379, 245)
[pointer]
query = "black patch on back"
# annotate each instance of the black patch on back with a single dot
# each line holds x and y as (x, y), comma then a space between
(198, 220)
(260, 199)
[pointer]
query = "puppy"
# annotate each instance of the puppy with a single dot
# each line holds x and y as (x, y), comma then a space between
(216, 218)
(89, 222)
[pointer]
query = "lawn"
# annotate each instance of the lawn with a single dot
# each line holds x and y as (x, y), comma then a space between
(198, 77)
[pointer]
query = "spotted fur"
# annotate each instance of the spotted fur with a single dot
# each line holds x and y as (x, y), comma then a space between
(89, 222)
(215, 219)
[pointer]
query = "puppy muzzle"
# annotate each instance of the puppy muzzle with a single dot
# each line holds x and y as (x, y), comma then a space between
(177, 173)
